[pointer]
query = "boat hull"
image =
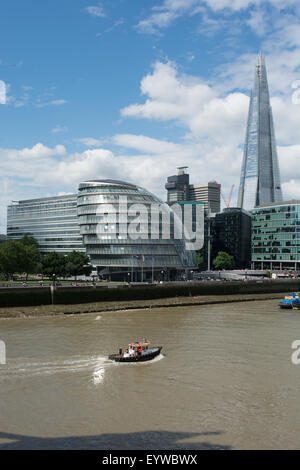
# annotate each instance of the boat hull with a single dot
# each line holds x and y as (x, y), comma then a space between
(143, 358)
(286, 305)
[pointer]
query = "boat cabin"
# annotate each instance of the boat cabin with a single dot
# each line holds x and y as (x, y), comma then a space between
(136, 349)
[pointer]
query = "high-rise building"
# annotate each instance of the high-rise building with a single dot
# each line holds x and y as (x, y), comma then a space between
(260, 177)
(177, 186)
(180, 190)
(208, 193)
(231, 232)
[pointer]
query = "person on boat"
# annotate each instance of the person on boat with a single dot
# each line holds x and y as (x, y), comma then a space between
(126, 353)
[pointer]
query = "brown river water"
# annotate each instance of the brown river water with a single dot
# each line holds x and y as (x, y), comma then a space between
(225, 380)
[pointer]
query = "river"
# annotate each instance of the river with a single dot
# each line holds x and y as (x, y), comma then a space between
(224, 380)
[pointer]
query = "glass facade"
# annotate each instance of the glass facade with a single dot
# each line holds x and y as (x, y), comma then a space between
(116, 235)
(231, 232)
(276, 236)
(260, 177)
(52, 221)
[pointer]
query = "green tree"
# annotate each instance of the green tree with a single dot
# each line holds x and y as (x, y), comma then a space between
(12, 256)
(223, 261)
(29, 240)
(77, 264)
(200, 261)
(32, 256)
(54, 265)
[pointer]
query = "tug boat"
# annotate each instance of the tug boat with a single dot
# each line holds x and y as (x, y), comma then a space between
(291, 300)
(136, 352)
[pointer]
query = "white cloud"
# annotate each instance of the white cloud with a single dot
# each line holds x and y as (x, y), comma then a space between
(95, 11)
(51, 103)
(59, 129)
(168, 11)
(90, 141)
(191, 102)
(214, 122)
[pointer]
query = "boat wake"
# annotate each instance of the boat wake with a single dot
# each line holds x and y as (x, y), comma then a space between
(24, 368)
(95, 367)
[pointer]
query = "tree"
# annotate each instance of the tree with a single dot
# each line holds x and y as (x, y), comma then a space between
(12, 256)
(54, 265)
(200, 261)
(29, 240)
(223, 261)
(77, 264)
(32, 256)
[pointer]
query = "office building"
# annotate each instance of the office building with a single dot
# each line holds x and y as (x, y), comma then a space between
(260, 177)
(119, 243)
(276, 236)
(52, 221)
(177, 186)
(231, 232)
(208, 193)
(179, 189)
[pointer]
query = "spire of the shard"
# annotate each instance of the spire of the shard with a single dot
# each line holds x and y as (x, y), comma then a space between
(260, 178)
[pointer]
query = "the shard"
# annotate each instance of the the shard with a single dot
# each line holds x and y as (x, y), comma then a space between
(260, 177)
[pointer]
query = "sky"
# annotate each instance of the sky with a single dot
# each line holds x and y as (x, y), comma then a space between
(132, 89)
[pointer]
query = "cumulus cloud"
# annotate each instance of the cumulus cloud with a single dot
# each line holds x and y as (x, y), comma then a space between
(213, 120)
(192, 102)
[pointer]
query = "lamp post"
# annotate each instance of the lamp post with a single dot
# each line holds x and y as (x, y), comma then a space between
(208, 240)
(132, 268)
(152, 269)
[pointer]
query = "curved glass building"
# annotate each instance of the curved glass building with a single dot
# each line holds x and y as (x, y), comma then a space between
(126, 229)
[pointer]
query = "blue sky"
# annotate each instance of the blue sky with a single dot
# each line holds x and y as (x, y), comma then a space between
(132, 89)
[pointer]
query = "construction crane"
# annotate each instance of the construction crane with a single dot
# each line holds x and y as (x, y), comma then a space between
(228, 201)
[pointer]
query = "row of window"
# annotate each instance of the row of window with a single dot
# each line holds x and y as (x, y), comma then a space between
(276, 257)
(133, 250)
(164, 261)
(103, 199)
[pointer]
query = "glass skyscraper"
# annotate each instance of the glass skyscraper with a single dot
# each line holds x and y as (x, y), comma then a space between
(260, 177)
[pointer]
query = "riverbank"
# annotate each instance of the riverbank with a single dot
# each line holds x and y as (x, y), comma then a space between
(98, 307)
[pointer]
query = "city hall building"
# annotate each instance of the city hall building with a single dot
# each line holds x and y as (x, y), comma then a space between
(276, 236)
(97, 221)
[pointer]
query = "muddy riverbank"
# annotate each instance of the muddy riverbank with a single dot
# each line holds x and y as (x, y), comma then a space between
(50, 310)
